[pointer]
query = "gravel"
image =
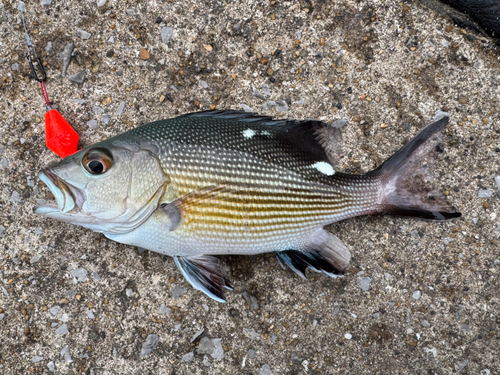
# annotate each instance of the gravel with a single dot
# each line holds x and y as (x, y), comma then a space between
(166, 34)
(364, 282)
(62, 330)
(80, 274)
(83, 34)
(178, 291)
(149, 345)
(485, 193)
(78, 77)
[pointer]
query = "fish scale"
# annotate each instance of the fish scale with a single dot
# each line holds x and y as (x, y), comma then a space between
(225, 182)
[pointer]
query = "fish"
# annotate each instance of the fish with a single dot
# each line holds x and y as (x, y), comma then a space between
(229, 182)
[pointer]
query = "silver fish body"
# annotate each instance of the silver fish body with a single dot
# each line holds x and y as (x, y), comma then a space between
(225, 182)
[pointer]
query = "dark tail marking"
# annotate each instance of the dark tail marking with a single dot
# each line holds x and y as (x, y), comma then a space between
(299, 261)
(406, 191)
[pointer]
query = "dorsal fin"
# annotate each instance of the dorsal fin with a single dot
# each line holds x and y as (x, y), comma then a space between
(303, 133)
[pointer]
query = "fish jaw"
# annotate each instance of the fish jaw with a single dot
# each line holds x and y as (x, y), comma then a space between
(69, 199)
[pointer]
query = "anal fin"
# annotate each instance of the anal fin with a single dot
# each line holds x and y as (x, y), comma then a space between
(204, 273)
(325, 253)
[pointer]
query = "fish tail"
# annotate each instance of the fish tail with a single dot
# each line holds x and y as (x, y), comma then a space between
(405, 179)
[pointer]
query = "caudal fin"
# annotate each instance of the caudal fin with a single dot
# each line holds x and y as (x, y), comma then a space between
(405, 178)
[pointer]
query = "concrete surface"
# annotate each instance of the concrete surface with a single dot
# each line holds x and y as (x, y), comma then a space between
(76, 303)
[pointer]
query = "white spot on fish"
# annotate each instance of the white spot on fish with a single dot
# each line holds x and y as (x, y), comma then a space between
(266, 133)
(249, 133)
(324, 168)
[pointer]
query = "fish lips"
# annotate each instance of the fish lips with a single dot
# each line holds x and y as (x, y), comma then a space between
(69, 199)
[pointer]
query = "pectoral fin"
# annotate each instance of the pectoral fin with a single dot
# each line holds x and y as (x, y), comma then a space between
(325, 253)
(205, 273)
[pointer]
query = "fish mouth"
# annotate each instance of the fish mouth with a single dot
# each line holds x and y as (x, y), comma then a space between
(69, 199)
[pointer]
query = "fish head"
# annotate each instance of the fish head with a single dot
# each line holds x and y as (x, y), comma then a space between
(111, 187)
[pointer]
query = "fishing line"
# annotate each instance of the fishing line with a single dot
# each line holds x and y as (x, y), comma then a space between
(60, 137)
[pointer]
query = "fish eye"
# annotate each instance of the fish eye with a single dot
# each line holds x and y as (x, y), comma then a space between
(97, 161)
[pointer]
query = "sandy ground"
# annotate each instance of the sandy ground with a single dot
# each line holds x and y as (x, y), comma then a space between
(73, 302)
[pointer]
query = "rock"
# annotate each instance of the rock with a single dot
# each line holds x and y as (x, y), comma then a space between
(252, 354)
(80, 274)
(128, 292)
(83, 34)
(90, 314)
(15, 66)
(218, 352)
(66, 354)
(105, 118)
(2, 315)
(120, 108)
(149, 345)
(251, 301)
(416, 294)
(246, 108)
(258, 94)
(62, 330)
(197, 334)
(265, 370)
(21, 7)
(101, 3)
(281, 105)
(78, 101)
(425, 324)
(164, 309)
(188, 357)
(2, 230)
(15, 197)
(388, 276)
(65, 56)
(92, 124)
(35, 259)
(204, 84)
(485, 193)
(96, 276)
(46, 2)
(51, 366)
(78, 77)
(497, 180)
(36, 359)
(205, 346)
(266, 90)
(111, 39)
(97, 110)
(462, 365)
(465, 328)
(250, 333)
(364, 282)
(178, 291)
(166, 34)
(54, 310)
(348, 336)
(144, 54)
(267, 105)
(131, 12)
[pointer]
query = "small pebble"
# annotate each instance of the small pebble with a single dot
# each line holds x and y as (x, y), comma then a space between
(35, 259)
(251, 354)
(265, 370)
(15, 197)
(281, 105)
(188, 357)
(204, 84)
(54, 310)
(166, 34)
(258, 94)
(197, 334)
(485, 193)
(416, 294)
(15, 66)
(105, 118)
(78, 77)
(348, 336)
(149, 345)
(364, 283)
(98, 110)
(101, 3)
(66, 354)
(144, 54)
(51, 366)
(62, 330)
(205, 346)
(131, 12)
(46, 2)
(164, 309)
(251, 301)
(92, 124)
(268, 105)
(425, 324)
(246, 108)
(497, 181)
(90, 314)
(96, 276)
(120, 108)
(250, 333)
(177, 291)
(80, 274)
(128, 292)
(36, 359)
(83, 34)
(78, 101)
